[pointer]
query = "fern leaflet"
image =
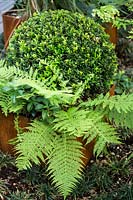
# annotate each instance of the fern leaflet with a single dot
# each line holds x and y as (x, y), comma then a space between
(32, 145)
(65, 164)
(73, 121)
(9, 104)
(88, 124)
(121, 103)
(122, 120)
(118, 109)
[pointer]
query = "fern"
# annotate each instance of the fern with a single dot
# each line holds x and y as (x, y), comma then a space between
(32, 145)
(9, 73)
(58, 142)
(72, 121)
(120, 119)
(121, 103)
(105, 135)
(88, 124)
(17, 77)
(8, 104)
(57, 138)
(63, 152)
(17, 87)
(65, 164)
(118, 109)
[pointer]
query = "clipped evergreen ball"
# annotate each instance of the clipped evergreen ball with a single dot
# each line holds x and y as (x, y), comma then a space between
(67, 45)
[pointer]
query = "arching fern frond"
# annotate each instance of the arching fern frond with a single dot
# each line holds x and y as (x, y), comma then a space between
(17, 77)
(73, 121)
(118, 109)
(32, 145)
(121, 103)
(10, 72)
(88, 124)
(41, 89)
(19, 86)
(65, 164)
(120, 119)
(63, 153)
(58, 142)
(8, 103)
(103, 134)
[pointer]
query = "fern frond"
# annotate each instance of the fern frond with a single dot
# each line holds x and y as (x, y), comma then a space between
(65, 165)
(73, 121)
(105, 135)
(121, 103)
(39, 88)
(7, 103)
(7, 73)
(118, 109)
(32, 145)
(18, 77)
(101, 132)
(88, 124)
(13, 81)
(63, 152)
(120, 119)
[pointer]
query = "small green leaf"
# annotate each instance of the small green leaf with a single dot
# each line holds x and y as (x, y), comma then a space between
(29, 106)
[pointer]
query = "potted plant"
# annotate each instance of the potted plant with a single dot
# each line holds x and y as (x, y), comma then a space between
(70, 52)
(21, 11)
(12, 19)
(53, 74)
(61, 121)
(57, 68)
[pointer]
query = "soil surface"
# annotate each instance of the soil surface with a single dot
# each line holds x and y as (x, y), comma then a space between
(108, 177)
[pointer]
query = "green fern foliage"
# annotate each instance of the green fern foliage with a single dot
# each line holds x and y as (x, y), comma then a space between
(9, 73)
(124, 119)
(32, 145)
(63, 152)
(106, 134)
(9, 104)
(65, 164)
(121, 103)
(18, 87)
(14, 77)
(73, 121)
(118, 109)
(89, 124)
(55, 135)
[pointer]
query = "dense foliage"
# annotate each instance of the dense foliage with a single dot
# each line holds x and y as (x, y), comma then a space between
(67, 46)
(63, 119)
(105, 178)
(68, 50)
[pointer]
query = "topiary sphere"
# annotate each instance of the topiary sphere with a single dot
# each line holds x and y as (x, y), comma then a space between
(68, 43)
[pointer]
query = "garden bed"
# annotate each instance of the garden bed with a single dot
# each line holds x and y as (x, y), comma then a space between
(105, 177)
(108, 177)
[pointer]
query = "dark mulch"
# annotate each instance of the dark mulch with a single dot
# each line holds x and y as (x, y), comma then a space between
(105, 178)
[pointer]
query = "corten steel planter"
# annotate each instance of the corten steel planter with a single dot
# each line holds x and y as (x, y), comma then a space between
(112, 32)
(8, 131)
(11, 20)
(87, 151)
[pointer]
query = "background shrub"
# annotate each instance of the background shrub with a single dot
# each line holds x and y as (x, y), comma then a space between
(67, 46)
